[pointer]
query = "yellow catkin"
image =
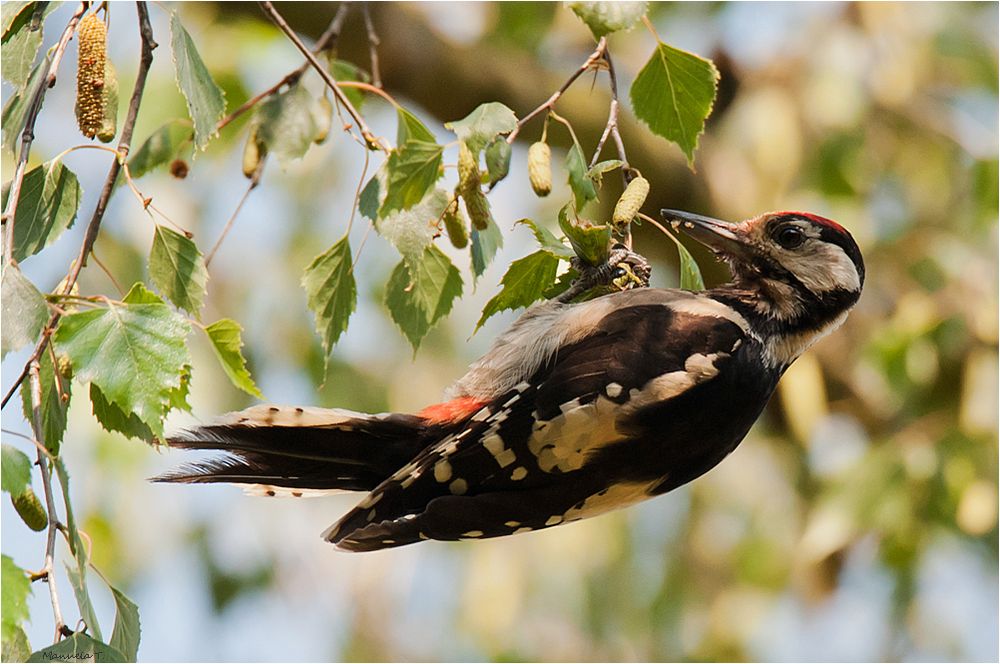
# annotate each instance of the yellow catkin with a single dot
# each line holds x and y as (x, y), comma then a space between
(455, 224)
(93, 36)
(540, 168)
(109, 104)
(468, 170)
(324, 119)
(253, 152)
(630, 202)
(30, 509)
(478, 207)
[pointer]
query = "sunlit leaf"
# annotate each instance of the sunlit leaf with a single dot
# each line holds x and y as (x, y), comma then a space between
(590, 242)
(14, 590)
(547, 241)
(413, 229)
(78, 580)
(16, 648)
(417, 300)
(225, 335)
(373, 194)
(79, 648)
(673, 95)
(20, 45)
(162, 147)
(56, 392)
(606, 17)
(178, 269)
(15, 469)
(16, 108)
(23, 310)
(135, 353)
(125, 636)
(410, 128)
(526, 281)
(205, 100)
(484, 124)
(412, 170)
(331, 291)
(114, 419)
(286, 123)
(341, 70)
(50, 197)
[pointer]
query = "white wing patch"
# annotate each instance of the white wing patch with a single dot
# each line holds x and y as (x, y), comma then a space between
(295, 416)
(612, 498)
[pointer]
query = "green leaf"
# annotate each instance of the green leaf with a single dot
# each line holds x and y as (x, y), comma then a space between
(417, 300)
(690, 274)
(10, 11)
(412, 230)
(582, 186)
(597, 171)
(205, 100)
(178, 269)
(547, 241)
(14, 590)
(78, 648)
(16, 648)
(113, 419)
(15, 110)
(526, 280)
(286, 123)
(125, 636)
(606, 17)
(674, 93)
(411, 173)
(373, 194)
(78, 580)
(135, 353)
(484, 124)
(50, 197)
(485, 245)
(163, 146)
(15, 470)
(22, 308)
(225, 336)
(341, 70)
(498, 159)
(56, 392)
(20, 45)
(591, 242)
(331, 291)
(410, 128)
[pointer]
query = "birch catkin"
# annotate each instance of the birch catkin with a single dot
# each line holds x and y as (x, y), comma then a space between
(540, 168)
(90, 75)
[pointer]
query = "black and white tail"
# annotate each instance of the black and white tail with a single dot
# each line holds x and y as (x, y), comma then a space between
(283, 450)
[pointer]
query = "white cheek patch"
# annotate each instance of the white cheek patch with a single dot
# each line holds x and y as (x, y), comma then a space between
(825, 267)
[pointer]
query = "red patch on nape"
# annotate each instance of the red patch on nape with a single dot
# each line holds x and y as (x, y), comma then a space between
(451, 411)
(822, 221)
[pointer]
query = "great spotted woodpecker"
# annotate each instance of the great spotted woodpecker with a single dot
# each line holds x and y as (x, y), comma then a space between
(577, 409)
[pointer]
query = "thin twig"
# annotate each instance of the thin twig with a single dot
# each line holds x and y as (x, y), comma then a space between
(48, 569)
(254, 181)
(145, 60)
(594, 58)
(28, 134)
(107, 272)
(371, 140)
(611, 128)
(373, 42)
(38, 446)
(326, 41)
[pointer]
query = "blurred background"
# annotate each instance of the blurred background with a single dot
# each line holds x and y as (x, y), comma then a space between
(858, 521)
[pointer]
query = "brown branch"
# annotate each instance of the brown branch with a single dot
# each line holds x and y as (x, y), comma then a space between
(326, 42)
(145, 60)
(593, 59)
(611, 128)
(373, 42)
(28, 134)
(48, 570)
(370, 139)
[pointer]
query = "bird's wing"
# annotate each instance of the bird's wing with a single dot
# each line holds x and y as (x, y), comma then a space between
(523, 461)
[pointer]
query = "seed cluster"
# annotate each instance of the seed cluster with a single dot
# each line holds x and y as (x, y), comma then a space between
(90, 72)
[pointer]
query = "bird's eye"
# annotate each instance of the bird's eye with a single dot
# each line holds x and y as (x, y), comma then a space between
(790, 237)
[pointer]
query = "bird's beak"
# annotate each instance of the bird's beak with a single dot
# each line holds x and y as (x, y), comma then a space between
(719, 236)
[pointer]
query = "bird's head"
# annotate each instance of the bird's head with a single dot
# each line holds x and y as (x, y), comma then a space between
(804, 271)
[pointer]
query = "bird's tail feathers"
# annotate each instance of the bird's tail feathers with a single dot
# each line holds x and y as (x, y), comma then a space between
(275, 450)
